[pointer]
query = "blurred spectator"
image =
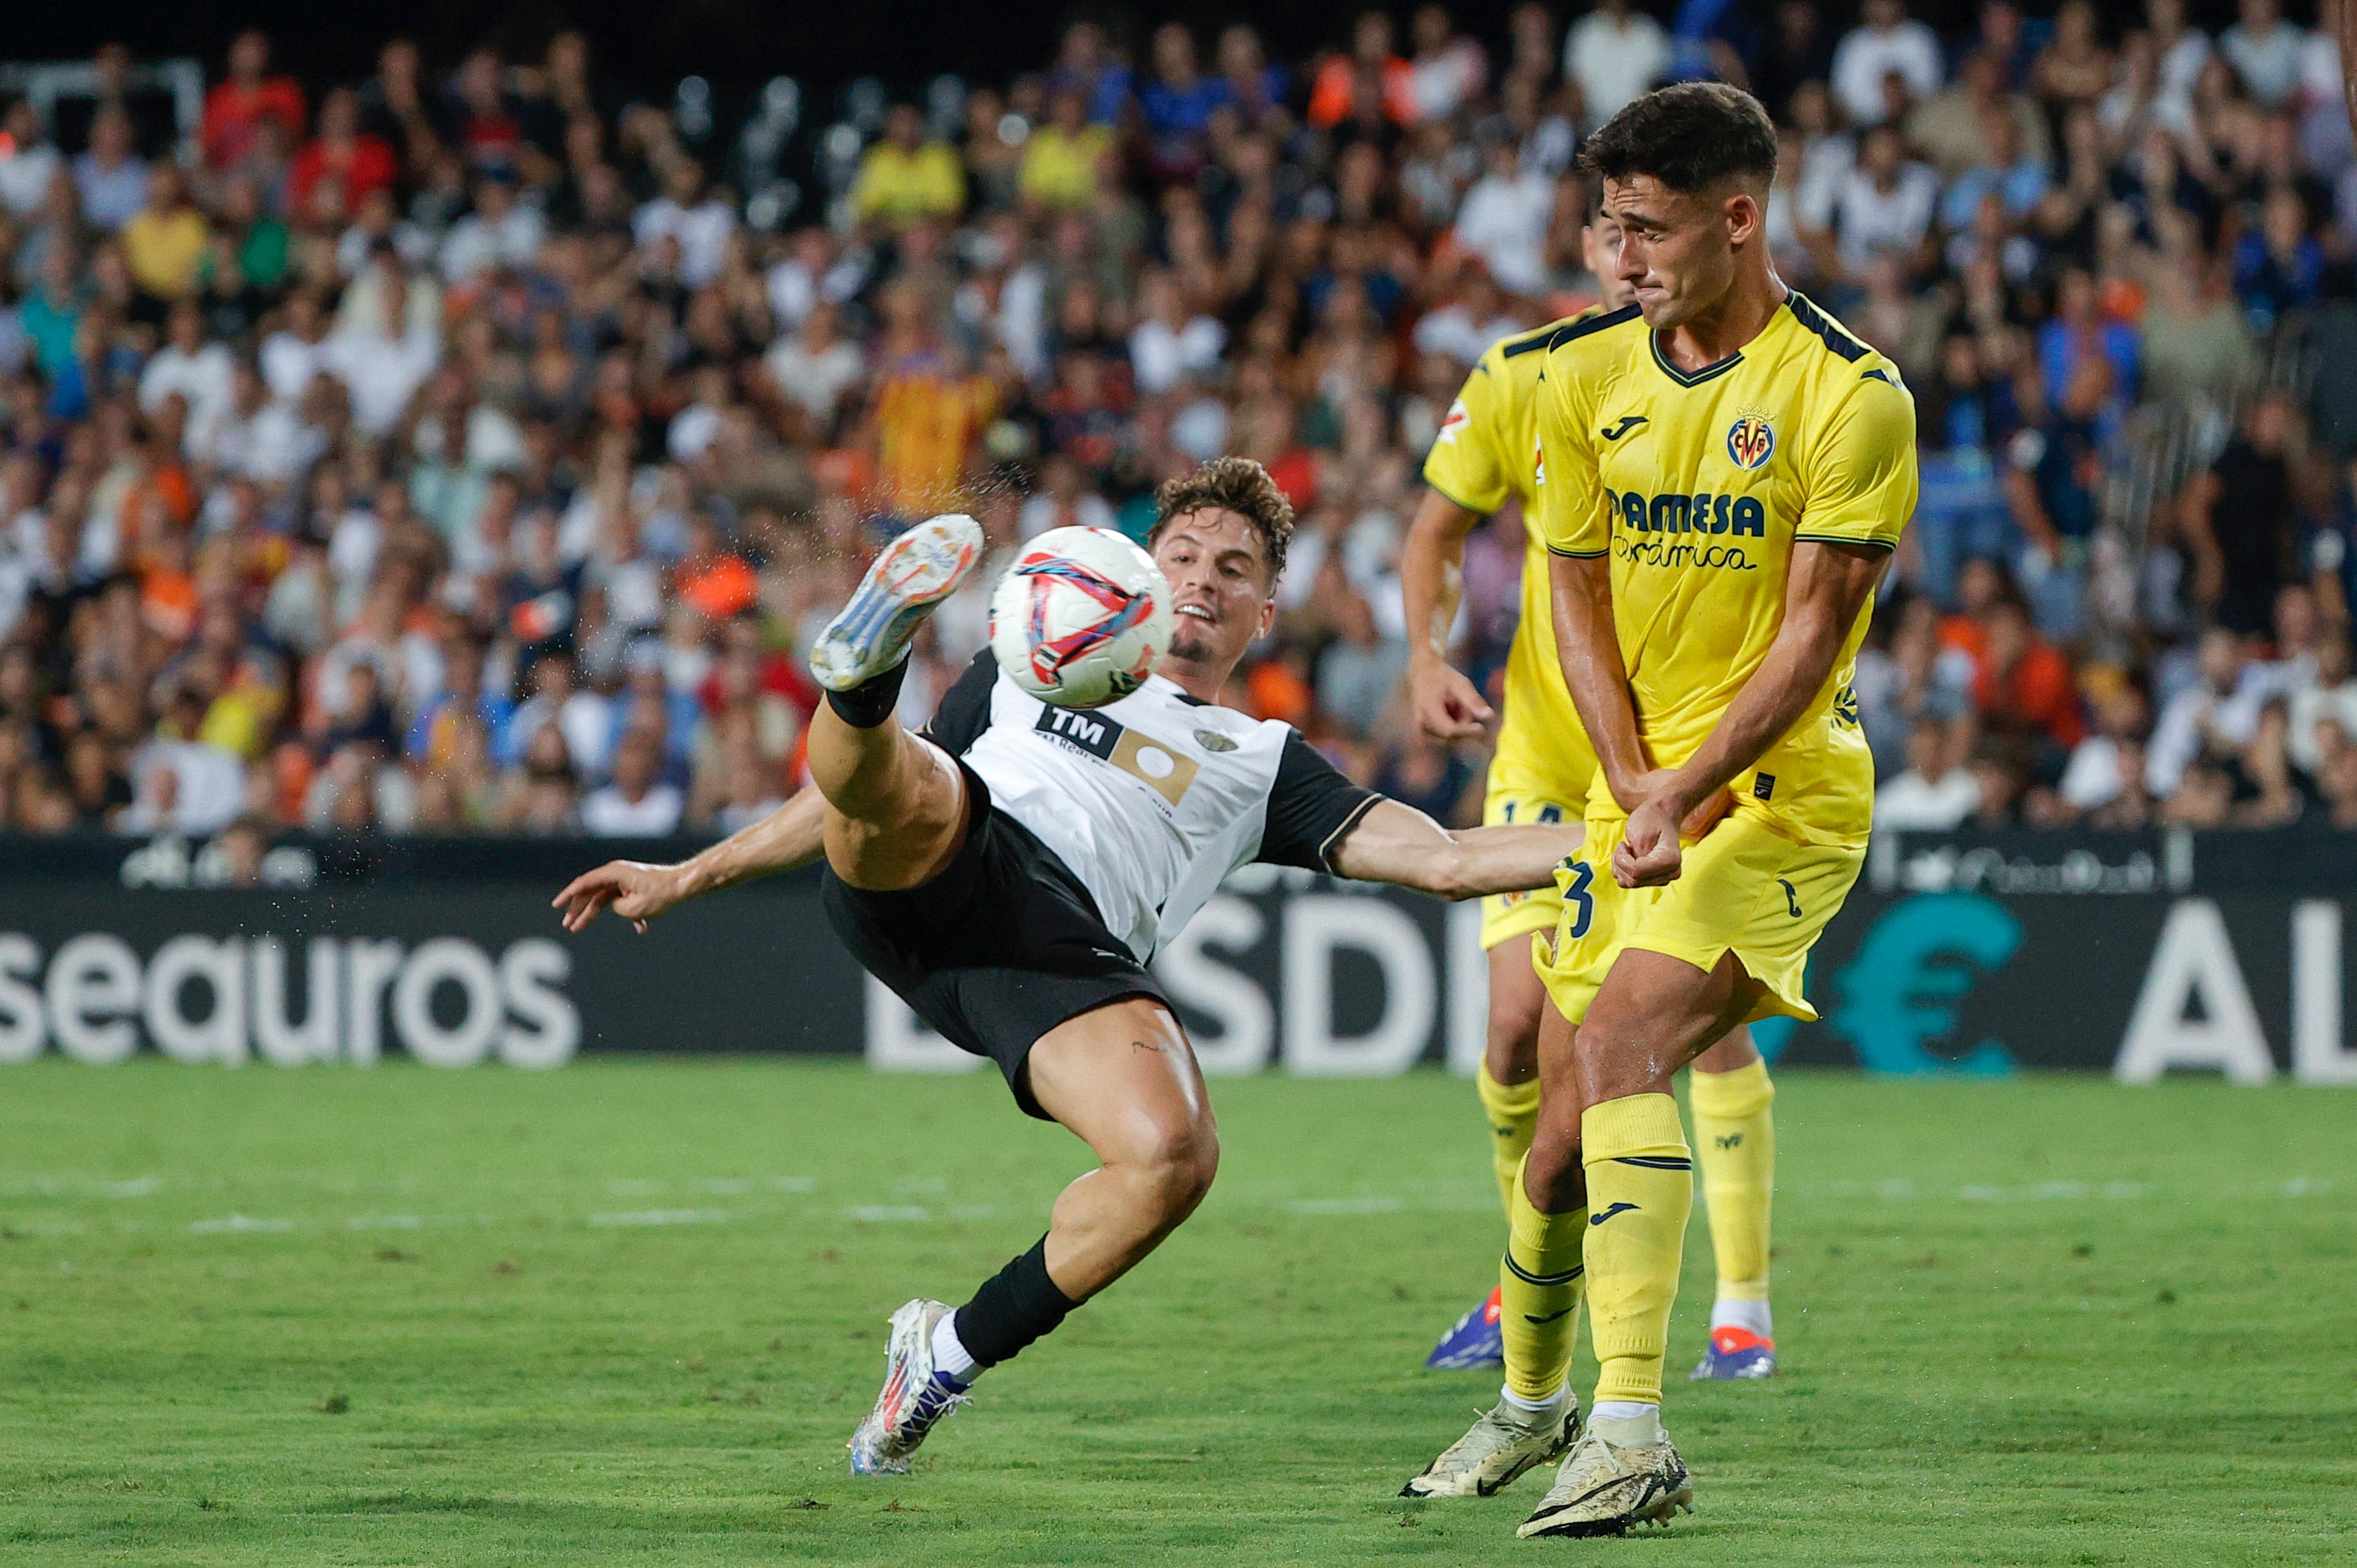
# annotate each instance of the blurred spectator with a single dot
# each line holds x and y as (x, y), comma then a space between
(698, 221)
(1448, 70)
(382, 364)
(2216, 716)
(1917, 680)
(904, 177)
(1612, 55)
(1359, 670)
(108, 178)
(1935, 792)
(1504, 219)
(342, 166)
(637, 803)
(238, 107)
(502, 232)
(2323, 709)
(1884, 44)
(2025, 688)
(1886, 204)
(2264, 50)
(2239, 514)
(1169, 344)
(2108, 767)
(1177, 105)
(1370, 85)
(29, 160)
(1061, 157)
(164, 241)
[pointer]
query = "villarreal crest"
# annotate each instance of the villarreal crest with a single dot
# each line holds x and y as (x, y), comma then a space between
(1750, 441)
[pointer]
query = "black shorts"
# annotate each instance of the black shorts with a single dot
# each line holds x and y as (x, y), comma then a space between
(1000, 948)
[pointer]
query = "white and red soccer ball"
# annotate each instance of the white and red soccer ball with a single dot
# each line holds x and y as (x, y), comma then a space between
(1082, 617)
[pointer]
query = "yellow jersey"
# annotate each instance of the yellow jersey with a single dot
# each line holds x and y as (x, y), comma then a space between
(1486, 452)
(1697, 483)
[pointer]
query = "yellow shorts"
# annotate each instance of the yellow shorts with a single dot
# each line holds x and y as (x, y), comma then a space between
(1746, 888)
(1531, 782)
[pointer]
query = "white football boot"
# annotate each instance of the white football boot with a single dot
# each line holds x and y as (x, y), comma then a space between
(1503, 1445)
(915, 573)
(1604, 1488)
(915, 1396)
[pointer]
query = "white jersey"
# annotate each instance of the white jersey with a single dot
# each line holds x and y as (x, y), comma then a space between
(1151, 800)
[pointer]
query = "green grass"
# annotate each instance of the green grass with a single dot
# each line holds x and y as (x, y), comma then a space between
(627, 1312)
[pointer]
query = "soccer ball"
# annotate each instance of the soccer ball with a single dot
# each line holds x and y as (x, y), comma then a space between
(1080, 618)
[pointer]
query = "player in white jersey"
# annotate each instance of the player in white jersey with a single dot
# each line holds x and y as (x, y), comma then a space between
(1009, 872)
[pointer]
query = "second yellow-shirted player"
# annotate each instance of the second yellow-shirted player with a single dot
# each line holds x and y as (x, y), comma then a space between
(1724, 473)
(1486, 455)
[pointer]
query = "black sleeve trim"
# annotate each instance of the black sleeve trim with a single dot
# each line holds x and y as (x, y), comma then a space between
(1311, 806)
(1334, 840)
(1577, 554)
(1844, 538)
(965, 711)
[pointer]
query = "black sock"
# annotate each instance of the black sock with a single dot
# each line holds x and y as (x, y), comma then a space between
(1016, 1306)
(871, 701)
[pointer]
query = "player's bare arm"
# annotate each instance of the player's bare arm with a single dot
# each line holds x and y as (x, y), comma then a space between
(1592, 667)
(1401, 845)
(1589, 646)
(788, 838)
(1829, 585)
(1448, 707)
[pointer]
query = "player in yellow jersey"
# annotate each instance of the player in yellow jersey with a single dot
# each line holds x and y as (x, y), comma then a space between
(1725, 474)
(1486, 454)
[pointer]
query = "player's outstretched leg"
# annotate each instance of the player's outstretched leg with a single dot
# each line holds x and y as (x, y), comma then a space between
(897, 803)
(1124, 1078)
(1735, 1145)
(1508, 1084)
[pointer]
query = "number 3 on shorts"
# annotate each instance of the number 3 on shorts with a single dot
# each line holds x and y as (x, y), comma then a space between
(1578, 899)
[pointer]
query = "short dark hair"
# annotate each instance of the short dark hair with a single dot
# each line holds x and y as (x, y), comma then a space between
(1689, 136)
(1229, 484)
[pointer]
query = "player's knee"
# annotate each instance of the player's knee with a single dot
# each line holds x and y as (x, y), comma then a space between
(1514, 1049)
(1178, 1163)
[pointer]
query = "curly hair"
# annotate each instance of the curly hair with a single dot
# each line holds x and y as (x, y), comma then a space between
(1229, 484)
(1689, 136)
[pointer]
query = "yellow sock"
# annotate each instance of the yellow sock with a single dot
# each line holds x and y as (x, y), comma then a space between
(1538, 1293)
(1513, 1112)
(1640, 1194)
(1735, 1138)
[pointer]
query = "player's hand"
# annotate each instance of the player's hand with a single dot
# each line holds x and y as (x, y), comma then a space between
(638, 892)
(1633, 792)
(1649, 853)
(1448, 706)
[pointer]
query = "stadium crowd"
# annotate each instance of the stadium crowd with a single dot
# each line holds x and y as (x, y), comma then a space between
(450, 452)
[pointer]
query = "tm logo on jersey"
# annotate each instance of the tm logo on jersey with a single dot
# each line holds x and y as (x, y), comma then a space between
(1751, 442)
(1109, 740)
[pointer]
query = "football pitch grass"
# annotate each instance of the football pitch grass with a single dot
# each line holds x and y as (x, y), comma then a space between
(627, 1312)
